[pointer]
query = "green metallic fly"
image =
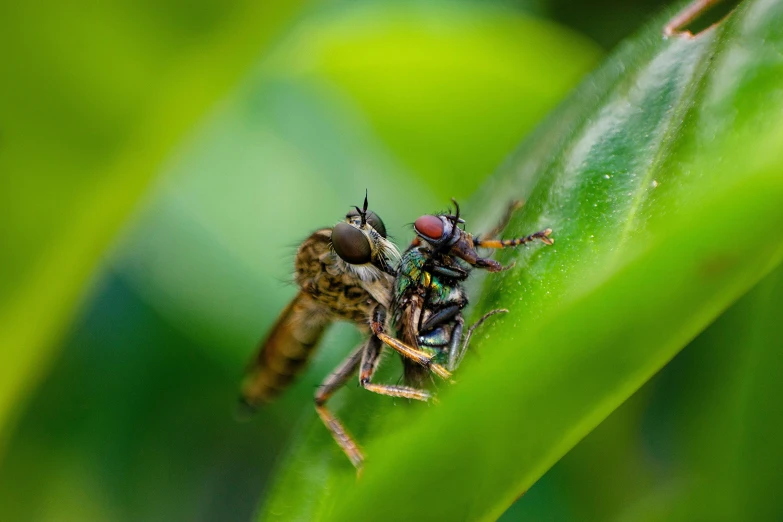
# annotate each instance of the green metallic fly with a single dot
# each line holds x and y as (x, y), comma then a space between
(428, 290)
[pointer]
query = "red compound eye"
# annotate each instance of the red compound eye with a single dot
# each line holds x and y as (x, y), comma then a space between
(429, 226)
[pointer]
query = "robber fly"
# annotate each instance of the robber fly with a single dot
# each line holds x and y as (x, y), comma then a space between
(343, 273)
(428, 293)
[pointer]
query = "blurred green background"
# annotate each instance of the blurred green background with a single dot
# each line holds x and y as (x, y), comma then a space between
(160, 163)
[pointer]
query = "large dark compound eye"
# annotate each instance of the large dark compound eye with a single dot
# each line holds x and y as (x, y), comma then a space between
(373, 219)
(351, 244)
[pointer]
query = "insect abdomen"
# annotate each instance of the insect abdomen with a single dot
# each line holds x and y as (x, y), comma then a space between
(285, 352)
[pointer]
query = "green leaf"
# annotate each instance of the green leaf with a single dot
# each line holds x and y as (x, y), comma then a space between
(307, 122)
(91, 103)
(729, 425)
(697, 442)
(661, 179)
(437, 75)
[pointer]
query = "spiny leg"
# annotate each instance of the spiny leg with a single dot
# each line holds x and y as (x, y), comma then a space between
(543, 235)
(369, 364)
(492, 265)
(333, 382)
(403, 349)
(470, 331)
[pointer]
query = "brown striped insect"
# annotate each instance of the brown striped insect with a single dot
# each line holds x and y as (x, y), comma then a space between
(344, 273)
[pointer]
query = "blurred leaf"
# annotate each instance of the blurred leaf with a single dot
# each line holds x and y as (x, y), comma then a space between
(135, 412)
(605, 21)
(91, 103)
(140, 420)
(730, 424)
(661, 180)
(214, 257)
(434, 77)
(716, 418)
(697, 442)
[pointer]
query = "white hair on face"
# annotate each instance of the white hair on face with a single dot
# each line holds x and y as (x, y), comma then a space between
(389, 251)
(367, 272)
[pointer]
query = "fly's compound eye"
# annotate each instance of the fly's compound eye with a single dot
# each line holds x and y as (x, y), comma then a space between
(429, 227)
(373, 219)
(351, 244)
(439, 231)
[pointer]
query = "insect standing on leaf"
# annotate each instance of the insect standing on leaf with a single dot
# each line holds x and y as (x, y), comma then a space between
(428, 289)
(343, 273)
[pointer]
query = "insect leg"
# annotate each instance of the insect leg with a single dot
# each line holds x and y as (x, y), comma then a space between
(470, 331)
(441, 316)
(335, 380)
(455, 354)
(419, 304)
(543, 235)
(452, 272)
(494, 266)
(370, 364)
(417, 356)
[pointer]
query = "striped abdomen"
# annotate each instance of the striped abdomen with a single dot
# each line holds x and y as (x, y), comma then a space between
(285, 352)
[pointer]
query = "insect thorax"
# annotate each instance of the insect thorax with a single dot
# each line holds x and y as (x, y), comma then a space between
(317, 272)
(413, 276)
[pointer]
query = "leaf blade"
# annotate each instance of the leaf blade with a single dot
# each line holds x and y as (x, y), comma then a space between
(647, 176)
(105, 136)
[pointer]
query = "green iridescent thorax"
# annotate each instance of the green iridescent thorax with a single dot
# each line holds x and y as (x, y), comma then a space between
(411, 273)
